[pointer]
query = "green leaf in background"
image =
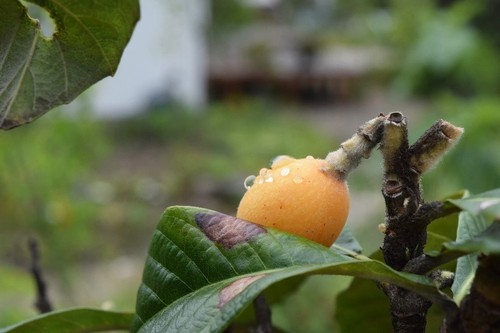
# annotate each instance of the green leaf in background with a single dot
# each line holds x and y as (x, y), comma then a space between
(469, 226)
(487, 204)
(39, 73)
(487, 242)
(78, 320)
(203, 268)
(347, 240)
(472, 237)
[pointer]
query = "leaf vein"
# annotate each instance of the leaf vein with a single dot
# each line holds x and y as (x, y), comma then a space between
(20, 80)
(63, 59)
(258, 256)
(154, 293)
(161, 234)
(170, 272)
(91, 34)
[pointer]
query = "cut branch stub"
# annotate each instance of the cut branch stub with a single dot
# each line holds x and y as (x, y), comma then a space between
(433, 144)
(395, 142)
(401, 186)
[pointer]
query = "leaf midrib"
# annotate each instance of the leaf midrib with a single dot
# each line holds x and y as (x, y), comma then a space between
(20, 79)
(77, 19)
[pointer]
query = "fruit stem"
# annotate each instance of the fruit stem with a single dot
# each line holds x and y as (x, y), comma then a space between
(345, 159)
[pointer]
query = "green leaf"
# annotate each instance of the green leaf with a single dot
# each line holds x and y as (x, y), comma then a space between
(469, 226)
(78, 320)
(487, 242)
(39, 73)
(347, 240)
(487, 204)
(203, 268)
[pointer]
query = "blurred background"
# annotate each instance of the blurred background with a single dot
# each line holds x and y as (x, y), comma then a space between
(207, 93)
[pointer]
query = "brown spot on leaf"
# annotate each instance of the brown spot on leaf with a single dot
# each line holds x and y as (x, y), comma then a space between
(235, 288)
(227, 230)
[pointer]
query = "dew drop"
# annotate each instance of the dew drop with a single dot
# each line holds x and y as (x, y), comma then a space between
(263, 171)
(249, 181)
(269, 178)
(285, 171)
(309, 157)
(259, 180)
(281, 161)
(298, 179)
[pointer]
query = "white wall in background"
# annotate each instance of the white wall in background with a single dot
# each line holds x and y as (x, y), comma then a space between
(167, 55)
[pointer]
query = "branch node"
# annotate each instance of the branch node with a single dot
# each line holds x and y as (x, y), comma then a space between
(442, 279)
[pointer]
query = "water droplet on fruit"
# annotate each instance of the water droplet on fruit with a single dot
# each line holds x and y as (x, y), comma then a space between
(268, 178)
(309, 157)
(260, 180)
(249, 181)
(263, 171)
(298, 179)
(285, 171)
(282, 160)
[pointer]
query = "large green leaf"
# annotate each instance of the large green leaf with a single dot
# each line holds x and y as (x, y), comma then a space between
(78, 320)
(478, 211)
(203, 268)
(469, 226)
(39, 73)
(487, 203)
(473, 237)
(487, 242)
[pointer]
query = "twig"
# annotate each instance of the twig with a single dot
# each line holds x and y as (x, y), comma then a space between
(407, 216)
(42, 302)
(262, 315)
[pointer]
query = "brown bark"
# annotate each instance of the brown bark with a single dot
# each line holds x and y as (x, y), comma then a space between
(407, 216)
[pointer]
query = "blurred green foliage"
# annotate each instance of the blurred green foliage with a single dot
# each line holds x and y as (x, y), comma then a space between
(229, 15)
(441, 51)
(434, 48)
(43, 167)
(474, 164)
(17, 290)
(227, 141)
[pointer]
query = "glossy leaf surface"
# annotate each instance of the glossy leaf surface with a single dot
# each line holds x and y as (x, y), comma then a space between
(487, 204)
(469, 226)
(203, 268)
(39, 73)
